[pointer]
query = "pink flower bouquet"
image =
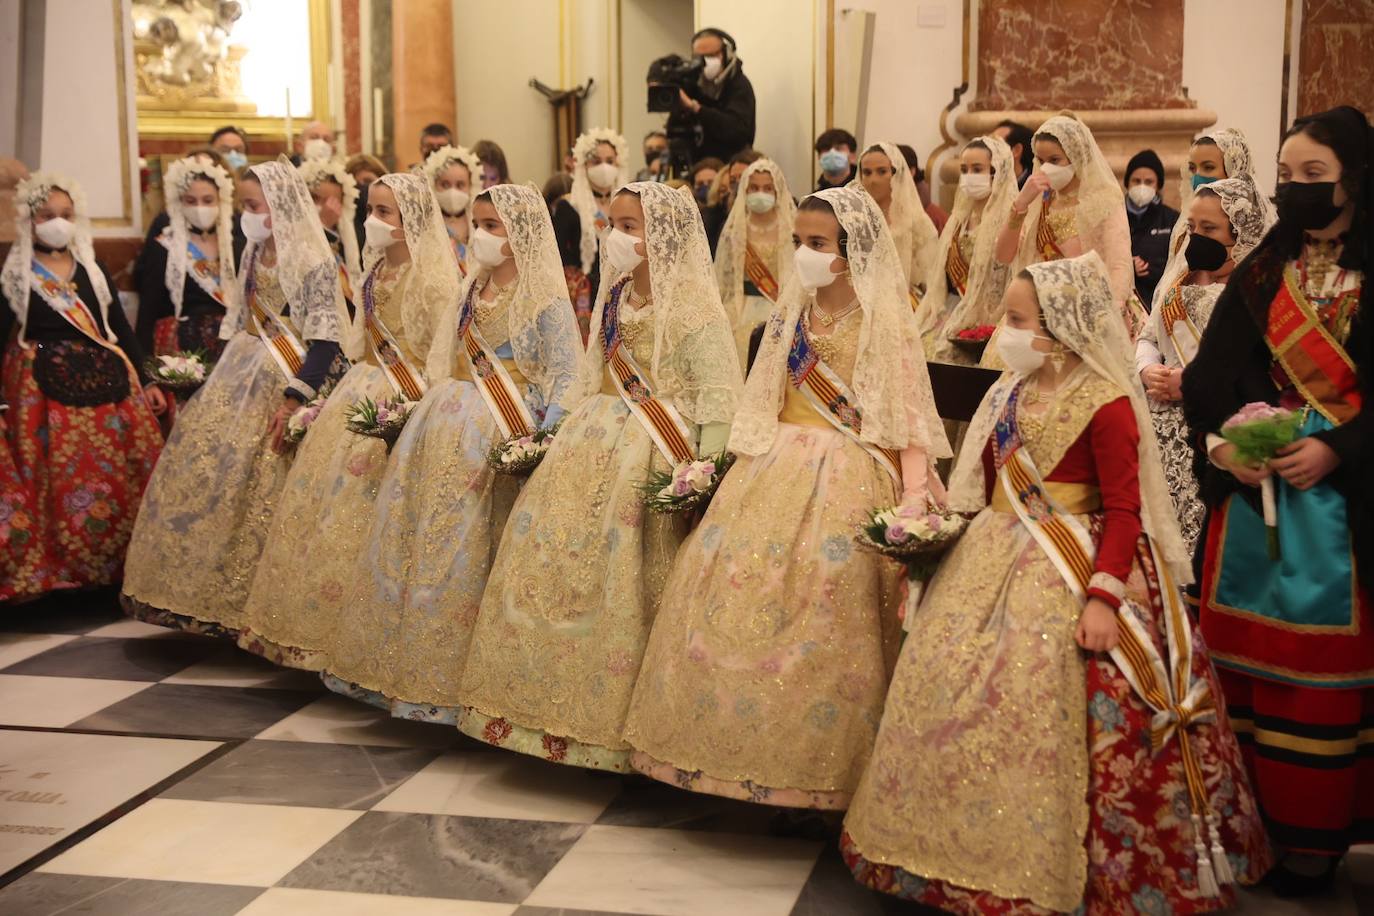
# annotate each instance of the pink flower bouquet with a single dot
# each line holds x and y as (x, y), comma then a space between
(298, 424)
(688, 486)
(1258, 431)
(379, 419)
(521, 454)
(914, 535)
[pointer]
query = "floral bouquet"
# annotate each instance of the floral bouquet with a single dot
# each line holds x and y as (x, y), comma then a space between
(688, 486)
(521, 454)
(916, 536)
(379, 419)
(974, 339)
(1258, 430)
(298, 424)
(180, 373)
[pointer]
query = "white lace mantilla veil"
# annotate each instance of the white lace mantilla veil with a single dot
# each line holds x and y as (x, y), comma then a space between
(735, 234)
(432, 283)
(972, 310)
(1235, 156)
(178, 179)
(17, 275)
(541, 317)
(890, 380)
(1101, 209)
(581, 196)
(315, 171)
(705, 386)
(1077, 308)
(445, 156)
(913, 232)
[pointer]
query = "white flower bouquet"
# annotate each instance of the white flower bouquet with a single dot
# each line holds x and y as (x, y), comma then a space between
(379, 419)
(688, 486)
(180, 373)
(520, 455)
(914, 535)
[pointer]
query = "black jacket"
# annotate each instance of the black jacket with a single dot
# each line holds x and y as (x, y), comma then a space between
(725, 124)
(1150, 233)
(824, 181)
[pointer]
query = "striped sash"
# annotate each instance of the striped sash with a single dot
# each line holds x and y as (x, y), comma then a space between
(274, 330)
(1310, 356)
(63, 300)
(1169, 688)
(203, 271)
(956, 267)
(1178, 324)
(660, 420)
(498, 389)
(759, 274)
(404, 380)
(827, 393)
(1044, 235)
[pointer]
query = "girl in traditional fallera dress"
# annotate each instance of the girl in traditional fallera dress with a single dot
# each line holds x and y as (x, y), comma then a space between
(205, 515)
(753, 255)
(1070, 205)
(766, 669)
(80, 427)
(189, 268)
(335, 193)
(965, 285)
(1293, 634)
(581, 565)
(1214, 155)
(455, 175)
(1226, 220)
(600, 165)
(441, 508)
(309, 565)
(1013, 773)
(883, 173)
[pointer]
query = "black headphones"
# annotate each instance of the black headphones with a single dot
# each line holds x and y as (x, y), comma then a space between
(725, 40)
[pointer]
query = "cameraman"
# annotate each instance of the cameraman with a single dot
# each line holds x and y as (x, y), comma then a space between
(717, 111)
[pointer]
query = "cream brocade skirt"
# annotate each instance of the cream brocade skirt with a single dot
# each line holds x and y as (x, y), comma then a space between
(571, 596)
(404, 633)
(310, 563)
(208, 505)
(980, 771)
(766, 671)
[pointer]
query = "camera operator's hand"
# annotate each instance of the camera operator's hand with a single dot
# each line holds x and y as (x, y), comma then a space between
(688, 102)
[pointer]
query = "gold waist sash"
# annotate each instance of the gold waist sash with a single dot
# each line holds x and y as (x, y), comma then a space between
(462, 373)
(797, 410)
(1075, 498)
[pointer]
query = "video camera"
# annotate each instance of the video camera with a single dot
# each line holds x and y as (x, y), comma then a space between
(669, 74)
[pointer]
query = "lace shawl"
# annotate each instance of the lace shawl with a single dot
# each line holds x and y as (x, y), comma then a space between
(913, 232)
(890, 380)
(315, 171)
(178, 179)
(735, 235)
(582, 197)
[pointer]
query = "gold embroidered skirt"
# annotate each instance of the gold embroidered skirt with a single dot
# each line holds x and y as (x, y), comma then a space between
(765, 674)
(571, 596)
(310, 562)
(206, 511)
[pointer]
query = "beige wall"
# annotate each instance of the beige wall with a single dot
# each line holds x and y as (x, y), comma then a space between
(649, 29)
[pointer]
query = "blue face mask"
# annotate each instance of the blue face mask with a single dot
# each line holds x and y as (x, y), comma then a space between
(834, 162)
(235, 159)
(1200, 180)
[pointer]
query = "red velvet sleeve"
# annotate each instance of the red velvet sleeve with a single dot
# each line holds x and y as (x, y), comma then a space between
(1115, 442)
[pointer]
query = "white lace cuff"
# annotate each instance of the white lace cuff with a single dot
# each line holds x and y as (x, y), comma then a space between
(1106, 582)
(301, 390)
(1213, 441)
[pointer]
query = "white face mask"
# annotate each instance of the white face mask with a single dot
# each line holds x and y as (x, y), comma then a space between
(203, 218)
(1059, 175)
(813, 268)
(603, 174)
(453, 201)
(486, 248)
(379, 233)
(620, 251)
(56, 232)
(254, 226)
(1016, 346)
(714, 64)
(1142, 195)
(976, 185)
(317, 149)
(760, 201)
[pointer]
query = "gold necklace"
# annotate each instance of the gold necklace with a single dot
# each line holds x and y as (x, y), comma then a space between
(827, 319)
(637, 300)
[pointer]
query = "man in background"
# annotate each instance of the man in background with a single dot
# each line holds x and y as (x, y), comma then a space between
(717, 111)
(1150, 220)
(1018, 136)
(838, 152)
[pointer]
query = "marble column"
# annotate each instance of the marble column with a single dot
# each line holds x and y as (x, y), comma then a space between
(1117, 63)
(422, 73)
(351, 29)
(1335, 62)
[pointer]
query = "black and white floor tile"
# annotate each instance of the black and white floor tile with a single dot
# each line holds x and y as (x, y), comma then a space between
(146, 772)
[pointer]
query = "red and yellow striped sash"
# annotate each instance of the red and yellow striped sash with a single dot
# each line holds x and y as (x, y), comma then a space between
(497, 387)
(759, 274)
(1314, 361)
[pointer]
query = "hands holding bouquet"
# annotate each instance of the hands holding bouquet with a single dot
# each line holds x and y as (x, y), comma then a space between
(916, 534)
(298, 424)
(1260, 437)
(688, 486)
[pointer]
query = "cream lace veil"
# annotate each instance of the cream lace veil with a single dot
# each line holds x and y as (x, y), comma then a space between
(541, 319)
(913, 233)
(735, 235)
(890, 380)
(582, 197)
(695, 363)
(1076, 306)
(178, 179)
(979, 305)
(17, 275)
(306, 268)
(315, 171)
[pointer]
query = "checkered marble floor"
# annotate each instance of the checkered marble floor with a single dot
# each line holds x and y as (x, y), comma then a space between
(149, 772)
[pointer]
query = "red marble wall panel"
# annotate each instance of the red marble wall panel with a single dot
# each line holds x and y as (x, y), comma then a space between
(352, 76)
(1101, 55)
(1336, 55)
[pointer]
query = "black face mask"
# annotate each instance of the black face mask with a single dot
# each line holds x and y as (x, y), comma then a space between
(1308, 205)
(1203, 253)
